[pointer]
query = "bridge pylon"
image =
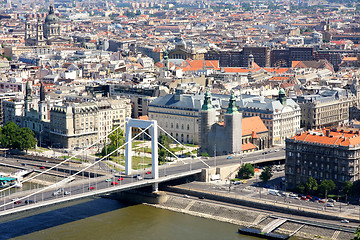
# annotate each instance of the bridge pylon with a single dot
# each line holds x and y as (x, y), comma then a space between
(153, 127)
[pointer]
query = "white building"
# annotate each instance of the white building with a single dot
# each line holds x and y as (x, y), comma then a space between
(281, 116)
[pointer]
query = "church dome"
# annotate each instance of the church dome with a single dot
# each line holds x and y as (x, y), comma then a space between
(51, 17)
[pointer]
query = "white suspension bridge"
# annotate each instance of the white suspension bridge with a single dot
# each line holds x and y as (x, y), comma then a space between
(71, 190)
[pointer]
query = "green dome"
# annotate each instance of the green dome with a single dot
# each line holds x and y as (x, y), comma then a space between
(51, 17)
(232, 108)
(207, 102)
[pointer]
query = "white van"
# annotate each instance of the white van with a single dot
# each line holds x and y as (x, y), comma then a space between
(274, 192)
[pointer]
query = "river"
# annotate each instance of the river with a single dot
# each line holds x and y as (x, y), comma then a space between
(101, 218)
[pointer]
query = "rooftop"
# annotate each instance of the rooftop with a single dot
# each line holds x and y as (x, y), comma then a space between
(335, 136)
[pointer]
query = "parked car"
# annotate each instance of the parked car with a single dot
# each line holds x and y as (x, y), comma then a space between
(114, 183)
(331, 200)
(29, 201)
(304, 198)
(91, 188)
(229, 157)
(284, 194)
(108, 180)
(322, 201)
(186, 196)
(120, 178)
(329, 204)
(148, 172)
(344, 221)
(138, 177)
(273, 192)
(67, 193)
(42, 167)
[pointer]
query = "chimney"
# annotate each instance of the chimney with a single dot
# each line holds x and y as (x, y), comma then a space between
(327, 133)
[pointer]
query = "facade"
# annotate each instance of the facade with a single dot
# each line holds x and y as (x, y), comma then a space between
(66, 124)
(220, 138)
(324, 154)
(44, 33)
(285, 57)
(255, 135)
(326, 108)
(181, 51)
(281, 116)
(261, 56)
(179, 115)
(77, 125)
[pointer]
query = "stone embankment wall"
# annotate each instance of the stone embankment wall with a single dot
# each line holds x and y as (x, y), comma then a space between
(259, 204)
(247, 218)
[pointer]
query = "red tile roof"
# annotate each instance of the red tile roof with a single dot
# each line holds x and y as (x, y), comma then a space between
(253, 124)
(335, 137)
(247, 146)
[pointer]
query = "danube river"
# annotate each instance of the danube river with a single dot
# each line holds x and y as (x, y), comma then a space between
(101, 218)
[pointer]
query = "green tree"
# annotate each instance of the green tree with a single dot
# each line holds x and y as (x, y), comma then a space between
(17, 138)
(326, 186)
(300, 188)
(347, 187)
(246, 171)
(164, 141)
(357, 234)
(266, 174)
(25, 139)
(204, 154)
(311, 186)
(116, 140)
(9, 134)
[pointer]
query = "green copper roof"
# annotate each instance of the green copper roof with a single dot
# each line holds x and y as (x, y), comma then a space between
(207, 102)
(232, 108)
(282, 91)
(165, 55)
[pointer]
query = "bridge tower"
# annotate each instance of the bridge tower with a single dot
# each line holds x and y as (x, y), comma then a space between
(152, 125)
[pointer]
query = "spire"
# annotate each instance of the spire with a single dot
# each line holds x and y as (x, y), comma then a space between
(166, 60)
(207, 102)
(28, 91)
(232, 108)
(282, 96)
(51, 10)
(42, 92)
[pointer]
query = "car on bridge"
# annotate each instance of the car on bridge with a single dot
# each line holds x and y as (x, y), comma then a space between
(42, 167)
(29, 201)
(108, 180)
(91, 188)
(16, 200)
(114, 183)
(120, 178)
(148, 172)
(229, 157)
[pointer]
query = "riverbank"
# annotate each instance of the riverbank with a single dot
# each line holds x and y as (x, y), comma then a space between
(243, 217)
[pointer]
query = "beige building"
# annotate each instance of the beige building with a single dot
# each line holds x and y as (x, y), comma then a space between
(81, 124)
(327, 108)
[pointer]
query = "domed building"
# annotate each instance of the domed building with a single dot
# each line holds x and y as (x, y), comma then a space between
(47, 33)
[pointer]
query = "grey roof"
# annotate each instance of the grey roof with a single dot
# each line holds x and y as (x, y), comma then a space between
(194, 102)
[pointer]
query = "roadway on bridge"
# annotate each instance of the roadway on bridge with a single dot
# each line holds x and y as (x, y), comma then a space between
(94, 184)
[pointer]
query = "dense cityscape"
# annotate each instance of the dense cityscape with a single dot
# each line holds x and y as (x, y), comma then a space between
(254, 106)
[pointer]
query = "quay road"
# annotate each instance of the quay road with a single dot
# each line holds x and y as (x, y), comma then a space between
(94, 184)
